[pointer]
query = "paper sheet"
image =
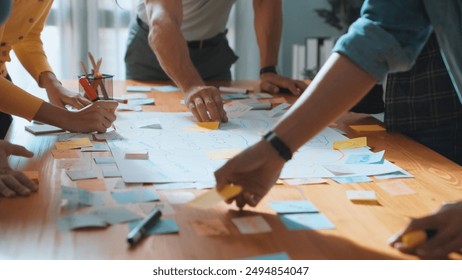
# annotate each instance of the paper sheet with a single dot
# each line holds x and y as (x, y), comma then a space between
(177, 155)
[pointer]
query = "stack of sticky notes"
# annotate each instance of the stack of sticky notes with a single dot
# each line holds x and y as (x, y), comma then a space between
(300, 214)
(362, 197)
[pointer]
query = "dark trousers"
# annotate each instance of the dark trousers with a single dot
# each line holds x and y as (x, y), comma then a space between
(5, 120)
(446, 140)
(213, 62)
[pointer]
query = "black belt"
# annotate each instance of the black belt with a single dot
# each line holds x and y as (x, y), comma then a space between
(198, 44)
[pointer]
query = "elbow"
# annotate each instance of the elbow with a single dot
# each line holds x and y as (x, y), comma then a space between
(159, 30)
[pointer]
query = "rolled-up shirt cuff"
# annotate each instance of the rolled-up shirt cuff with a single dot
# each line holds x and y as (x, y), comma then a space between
(375, 50)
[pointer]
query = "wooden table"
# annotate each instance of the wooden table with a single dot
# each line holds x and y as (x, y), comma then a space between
(28, 225)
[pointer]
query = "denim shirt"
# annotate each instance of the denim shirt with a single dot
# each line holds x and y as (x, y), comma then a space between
(390, 34)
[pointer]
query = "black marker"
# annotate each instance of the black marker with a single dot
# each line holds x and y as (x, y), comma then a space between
(138, 231)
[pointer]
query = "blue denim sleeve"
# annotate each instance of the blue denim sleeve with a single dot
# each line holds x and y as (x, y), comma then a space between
(387, 37)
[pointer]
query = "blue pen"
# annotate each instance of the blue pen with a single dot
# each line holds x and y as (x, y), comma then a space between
(138, 231)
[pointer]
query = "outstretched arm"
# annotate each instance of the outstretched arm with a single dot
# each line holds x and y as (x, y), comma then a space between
(169, 45)
(268, 28)
(339, 85)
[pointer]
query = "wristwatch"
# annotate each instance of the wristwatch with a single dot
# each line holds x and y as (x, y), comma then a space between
(278, 145)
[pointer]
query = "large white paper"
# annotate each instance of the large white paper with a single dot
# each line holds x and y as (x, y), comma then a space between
(180, 155)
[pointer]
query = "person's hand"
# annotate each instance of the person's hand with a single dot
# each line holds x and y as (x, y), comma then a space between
(447, 222)
(271, 82)
(60, 96)
(206, 105)
(14, 182)
(98, 116)
(256, 170)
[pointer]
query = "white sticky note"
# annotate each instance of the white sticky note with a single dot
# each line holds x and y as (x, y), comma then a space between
(251, 225)
(133, 96)
(236, 109)
(179, 197)
(361, 196)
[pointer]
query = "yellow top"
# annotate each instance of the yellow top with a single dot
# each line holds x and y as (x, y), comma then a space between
(21, 32)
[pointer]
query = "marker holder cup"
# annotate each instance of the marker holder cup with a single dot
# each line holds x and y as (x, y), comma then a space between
(103, 86)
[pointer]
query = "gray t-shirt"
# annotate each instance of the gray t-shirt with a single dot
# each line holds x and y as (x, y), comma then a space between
(202, 19)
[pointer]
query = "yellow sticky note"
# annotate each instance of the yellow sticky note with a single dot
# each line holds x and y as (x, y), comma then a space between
(350, 143)
(73, 144)
(367, 128)
(32, 175)
(230, 191)
(362, 197)
(209, 227)
(209, 125)
(204, 126)
(92, 184)
(277, 100)
(212, 197)
(60, 154)
(223, 154)
(413, 238)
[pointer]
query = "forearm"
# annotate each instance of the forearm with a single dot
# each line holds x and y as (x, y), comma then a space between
(337, 87)
(49, 81)
(268, 28)
(169, 45)
(54, 115)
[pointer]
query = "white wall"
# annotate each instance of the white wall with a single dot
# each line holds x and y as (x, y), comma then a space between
(300, 21)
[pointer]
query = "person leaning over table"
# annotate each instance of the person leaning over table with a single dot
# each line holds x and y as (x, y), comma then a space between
(423, 104)
(386, 38)
(12, 182)
(21, 33)
(185, 41)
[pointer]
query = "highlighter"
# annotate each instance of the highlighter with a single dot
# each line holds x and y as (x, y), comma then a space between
(413, 239)
(89, 91)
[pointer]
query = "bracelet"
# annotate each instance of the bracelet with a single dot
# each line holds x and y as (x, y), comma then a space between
(268, 69)
(278, 145)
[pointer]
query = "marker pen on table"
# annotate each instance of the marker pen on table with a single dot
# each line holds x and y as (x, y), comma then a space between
(138, 231)
(233, 90)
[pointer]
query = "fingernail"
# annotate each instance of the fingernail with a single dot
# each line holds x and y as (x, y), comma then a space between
(25, 192)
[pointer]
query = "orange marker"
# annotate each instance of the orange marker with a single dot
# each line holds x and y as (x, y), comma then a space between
(89, 91)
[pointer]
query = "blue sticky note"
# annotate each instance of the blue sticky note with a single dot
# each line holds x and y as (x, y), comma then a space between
(374, 158)
(77, 196)
(352, 179)
(165, 88)
(163, 226)
(394, 175)
(104, 160)
(234, 96)
(276, 256)
(306, 221)
(134, 196)
(79, 221)
(293, 206)
(116, 215)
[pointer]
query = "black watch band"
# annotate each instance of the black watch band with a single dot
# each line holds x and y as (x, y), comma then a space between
(278, 145)
(268, 69)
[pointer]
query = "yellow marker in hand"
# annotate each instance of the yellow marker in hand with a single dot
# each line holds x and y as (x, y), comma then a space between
(413, 239)
(212, 197)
